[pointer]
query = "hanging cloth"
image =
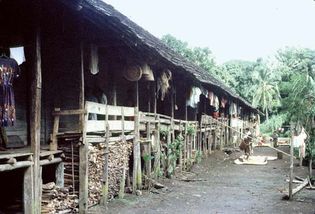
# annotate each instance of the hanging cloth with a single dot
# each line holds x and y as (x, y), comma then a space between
(211, 98)
(223, 102)
(233, 109)
(216, 103)
(194, 97)
(299, 142)
(204, 92)
(9, 70)
(94, 69)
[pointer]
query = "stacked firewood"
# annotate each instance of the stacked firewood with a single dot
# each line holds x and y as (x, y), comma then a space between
(58, 200)
(119, 154)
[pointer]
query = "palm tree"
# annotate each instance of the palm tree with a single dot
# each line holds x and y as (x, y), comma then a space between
(265, 89)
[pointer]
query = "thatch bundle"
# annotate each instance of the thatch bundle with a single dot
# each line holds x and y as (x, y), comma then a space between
(163, 84)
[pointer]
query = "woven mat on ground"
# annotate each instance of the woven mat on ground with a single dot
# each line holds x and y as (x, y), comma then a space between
(253, 160)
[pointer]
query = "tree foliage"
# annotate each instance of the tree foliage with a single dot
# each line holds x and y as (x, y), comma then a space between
(283, 88)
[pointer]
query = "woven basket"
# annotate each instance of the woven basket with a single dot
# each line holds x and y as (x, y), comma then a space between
(133, 73)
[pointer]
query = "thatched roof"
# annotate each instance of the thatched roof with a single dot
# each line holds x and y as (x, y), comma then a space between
(102, 14)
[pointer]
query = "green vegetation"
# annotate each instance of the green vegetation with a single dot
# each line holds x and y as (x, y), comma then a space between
(283, 87)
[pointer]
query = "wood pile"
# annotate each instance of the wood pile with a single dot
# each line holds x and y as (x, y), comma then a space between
(119, 155)
(58, 200)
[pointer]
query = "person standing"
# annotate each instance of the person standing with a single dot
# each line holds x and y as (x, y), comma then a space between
(275, 139)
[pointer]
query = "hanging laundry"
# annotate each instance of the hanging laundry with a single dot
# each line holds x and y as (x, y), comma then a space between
(211, 98)
(94, 69)
(239, 110)
(9, 70)
(216, 103)
(194, 97)
(299, 143)
(233, 109)
(223, 102)
(204, 92)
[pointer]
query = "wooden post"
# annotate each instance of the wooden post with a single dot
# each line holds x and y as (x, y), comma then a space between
(168, 158)
(148, 151)
(155, 101)
(209, 142)
(291, 166)
(215, 135)
(121, 193)
(83, 150)
(28, 191)
(53, 146)
(185, 145)
(149, 96)
(137, 177)
(123, 178)
(60, 175)
(204, 142)
(157, 156)
(310, 168)
(35, 116)
(114, 95)
(106, 155)
(180, 148)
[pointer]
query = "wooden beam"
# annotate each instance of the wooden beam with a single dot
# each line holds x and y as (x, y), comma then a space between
(296, 189)
(48, 162)
(20, 164)
(58, 112)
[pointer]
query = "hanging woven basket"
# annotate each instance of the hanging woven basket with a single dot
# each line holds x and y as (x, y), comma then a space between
(133, 73)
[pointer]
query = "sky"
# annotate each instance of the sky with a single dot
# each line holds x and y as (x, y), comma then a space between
(232, 29)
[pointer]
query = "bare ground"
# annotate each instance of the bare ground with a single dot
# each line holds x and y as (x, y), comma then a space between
(225, 188)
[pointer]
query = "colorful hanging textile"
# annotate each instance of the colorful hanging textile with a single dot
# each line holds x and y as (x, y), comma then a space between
(9, 70)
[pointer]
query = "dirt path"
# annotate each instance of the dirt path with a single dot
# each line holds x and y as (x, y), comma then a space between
(225, 188)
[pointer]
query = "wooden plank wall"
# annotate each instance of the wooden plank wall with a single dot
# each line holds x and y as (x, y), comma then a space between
(61, 67)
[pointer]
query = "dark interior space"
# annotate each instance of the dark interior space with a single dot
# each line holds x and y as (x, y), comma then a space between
(11, 185)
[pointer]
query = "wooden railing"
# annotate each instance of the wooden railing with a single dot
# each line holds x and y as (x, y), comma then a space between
(153, 135)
